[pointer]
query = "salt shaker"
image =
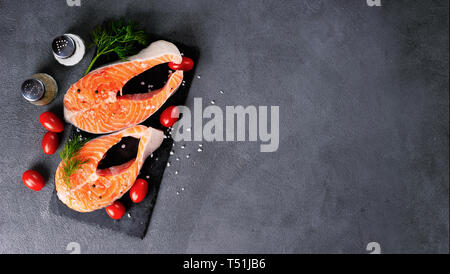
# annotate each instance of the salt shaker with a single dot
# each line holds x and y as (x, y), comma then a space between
(68, 49)
(40, 89)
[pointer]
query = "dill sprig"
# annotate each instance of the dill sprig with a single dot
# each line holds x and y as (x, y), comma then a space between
(69, 156)
(119, 37)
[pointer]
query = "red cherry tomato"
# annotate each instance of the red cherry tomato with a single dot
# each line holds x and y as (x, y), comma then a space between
(33, 180)
(51, 122)
(186, 64)
(50, 143)
(169, 116)
(139, 190)
(116, 210)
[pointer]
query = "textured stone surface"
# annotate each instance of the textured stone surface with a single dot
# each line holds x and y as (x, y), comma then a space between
(363, 156)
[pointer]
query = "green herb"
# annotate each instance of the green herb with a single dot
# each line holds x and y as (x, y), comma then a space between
(119, 37)
(69, 156)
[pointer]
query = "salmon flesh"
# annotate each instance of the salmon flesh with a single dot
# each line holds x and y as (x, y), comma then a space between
(95, 103)
(90, 188)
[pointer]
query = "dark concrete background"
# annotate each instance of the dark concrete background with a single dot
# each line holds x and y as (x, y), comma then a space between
(363, 156)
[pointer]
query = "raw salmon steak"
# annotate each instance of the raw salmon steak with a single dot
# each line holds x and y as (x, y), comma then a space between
(90, 188)
(95, 103)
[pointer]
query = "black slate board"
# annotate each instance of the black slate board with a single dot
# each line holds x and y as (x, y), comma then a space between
(154, 167)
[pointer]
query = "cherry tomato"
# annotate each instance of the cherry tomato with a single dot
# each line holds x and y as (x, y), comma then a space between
(50, 142)
(51, 122)
(116, 210)
(169, 116)
(139, 190)
(186, 64)
(33, 180)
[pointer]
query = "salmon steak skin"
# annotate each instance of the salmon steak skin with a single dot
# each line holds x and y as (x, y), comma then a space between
(90, 188)
(95, 103)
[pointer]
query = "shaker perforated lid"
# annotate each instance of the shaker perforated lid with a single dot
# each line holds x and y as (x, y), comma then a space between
(33, 89)
(63, 46)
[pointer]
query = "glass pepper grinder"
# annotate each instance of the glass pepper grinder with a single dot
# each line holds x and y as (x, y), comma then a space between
(68, 49)
(40, 89)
